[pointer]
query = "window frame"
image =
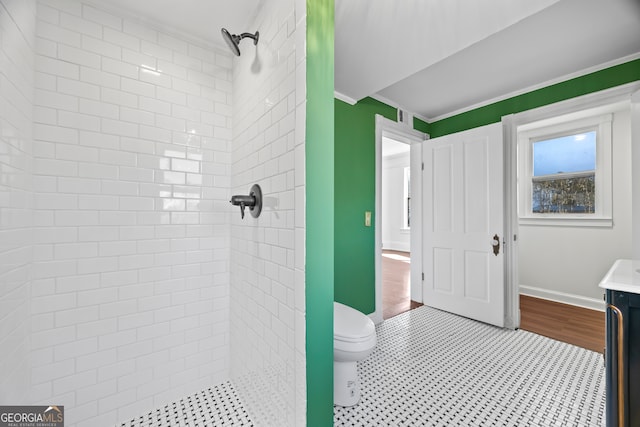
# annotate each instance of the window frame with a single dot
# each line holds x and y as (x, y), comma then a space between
(529, 134)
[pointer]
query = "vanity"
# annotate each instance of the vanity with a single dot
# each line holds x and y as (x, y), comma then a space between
(622, 352)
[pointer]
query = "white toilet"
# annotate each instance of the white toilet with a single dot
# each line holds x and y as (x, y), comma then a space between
(354, 337)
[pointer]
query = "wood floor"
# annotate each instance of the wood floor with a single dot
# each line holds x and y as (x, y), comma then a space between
(396, 279)
(567, 323)
(575, 325)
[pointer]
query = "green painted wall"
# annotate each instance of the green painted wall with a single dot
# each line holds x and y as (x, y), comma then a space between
(600, 80)
(319, 176)
(355, 168)
(355, 190)
(421, 125)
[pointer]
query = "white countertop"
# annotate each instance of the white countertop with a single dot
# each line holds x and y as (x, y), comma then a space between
(624, 275)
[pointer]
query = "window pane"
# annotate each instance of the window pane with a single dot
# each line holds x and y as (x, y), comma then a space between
(567, 154)
(564, 195)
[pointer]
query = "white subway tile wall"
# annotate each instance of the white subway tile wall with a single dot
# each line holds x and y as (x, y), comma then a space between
(117, 162)
(267, 253)
(132, 163)
(17, 45)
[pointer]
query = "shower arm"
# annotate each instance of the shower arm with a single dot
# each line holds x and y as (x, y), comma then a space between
(249, 35)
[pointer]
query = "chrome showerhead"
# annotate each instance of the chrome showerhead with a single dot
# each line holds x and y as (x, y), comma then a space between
(233, 40)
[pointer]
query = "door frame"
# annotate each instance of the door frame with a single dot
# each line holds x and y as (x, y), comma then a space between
(510, 124)
(635, 172)
(406, 134)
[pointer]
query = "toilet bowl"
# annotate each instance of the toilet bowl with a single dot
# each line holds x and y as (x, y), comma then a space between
(354, 337)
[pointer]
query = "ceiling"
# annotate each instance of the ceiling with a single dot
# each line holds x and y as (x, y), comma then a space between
(436, 57)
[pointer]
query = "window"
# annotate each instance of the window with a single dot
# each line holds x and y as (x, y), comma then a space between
(564, 172)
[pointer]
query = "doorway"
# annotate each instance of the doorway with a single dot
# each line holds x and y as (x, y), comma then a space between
(398, 218)
(395, 218)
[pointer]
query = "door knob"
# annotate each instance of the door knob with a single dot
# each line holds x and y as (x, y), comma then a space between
(495, 242)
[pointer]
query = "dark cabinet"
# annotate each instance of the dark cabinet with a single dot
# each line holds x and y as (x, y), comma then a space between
(622, 359)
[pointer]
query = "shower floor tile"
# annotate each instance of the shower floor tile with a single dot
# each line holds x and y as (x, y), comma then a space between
(432, 368)
(215, 406)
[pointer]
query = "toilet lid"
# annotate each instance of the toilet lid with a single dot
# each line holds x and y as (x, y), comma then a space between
(351, 325)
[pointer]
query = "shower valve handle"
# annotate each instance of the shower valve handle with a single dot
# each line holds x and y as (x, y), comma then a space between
(253, 201)
(243, 201)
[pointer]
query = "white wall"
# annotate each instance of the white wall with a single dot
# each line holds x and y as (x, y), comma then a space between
(131, 165)
(394, 236)
(573, 260)
(17, 40)
(267, 253)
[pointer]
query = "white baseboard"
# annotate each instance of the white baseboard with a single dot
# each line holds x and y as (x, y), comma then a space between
(580, 301)
(396, 246)
(376, 317)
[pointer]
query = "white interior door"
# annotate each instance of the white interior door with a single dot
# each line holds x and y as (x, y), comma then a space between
(463, 210)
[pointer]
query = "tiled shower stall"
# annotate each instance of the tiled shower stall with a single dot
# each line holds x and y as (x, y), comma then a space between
(127, 280)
